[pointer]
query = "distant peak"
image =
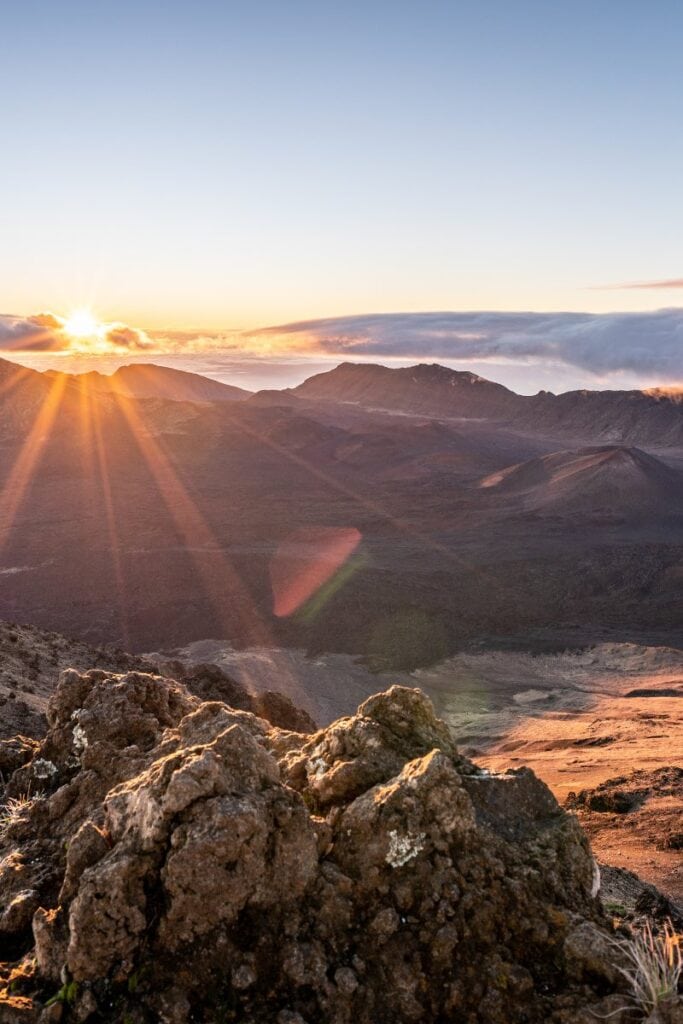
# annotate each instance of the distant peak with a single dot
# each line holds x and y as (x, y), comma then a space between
(421, 371)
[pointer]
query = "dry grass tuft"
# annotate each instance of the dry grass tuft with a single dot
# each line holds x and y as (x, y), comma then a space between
(12, 811)
(655, 965)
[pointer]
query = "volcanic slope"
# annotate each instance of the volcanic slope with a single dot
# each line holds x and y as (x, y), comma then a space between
(188, 505)
(614, 478)
(31, 660)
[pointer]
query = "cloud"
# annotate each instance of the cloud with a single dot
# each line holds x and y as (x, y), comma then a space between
(649, 343)
(676, 282)
(124, 338)
(46, 332)
(39, 333)
(673, 283)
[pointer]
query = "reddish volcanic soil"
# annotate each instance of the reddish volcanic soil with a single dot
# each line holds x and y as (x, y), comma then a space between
(628, 742)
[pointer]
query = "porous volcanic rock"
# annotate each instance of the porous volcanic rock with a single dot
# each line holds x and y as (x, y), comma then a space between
(210, 682)
(182, 860)
(32, 659)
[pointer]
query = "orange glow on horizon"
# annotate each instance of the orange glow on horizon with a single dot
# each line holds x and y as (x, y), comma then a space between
(666, 391)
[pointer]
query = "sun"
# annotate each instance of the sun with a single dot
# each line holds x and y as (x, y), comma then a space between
(82, 324)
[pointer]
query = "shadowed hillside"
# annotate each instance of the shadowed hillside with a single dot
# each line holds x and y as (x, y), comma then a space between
(634, 417)
(423, 389)
(154, 522)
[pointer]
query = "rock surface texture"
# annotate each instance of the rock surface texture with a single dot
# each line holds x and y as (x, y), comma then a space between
(31, 660)
(172, 859)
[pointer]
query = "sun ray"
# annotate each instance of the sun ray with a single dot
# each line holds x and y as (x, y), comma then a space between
(98, 484)
(221, 582)
(114, 538)
(19, 478)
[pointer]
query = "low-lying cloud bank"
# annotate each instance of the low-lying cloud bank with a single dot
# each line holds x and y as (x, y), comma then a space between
(46, 332)
(649, 343)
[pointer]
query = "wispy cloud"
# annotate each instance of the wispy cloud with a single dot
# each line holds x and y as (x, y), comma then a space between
(671, 284)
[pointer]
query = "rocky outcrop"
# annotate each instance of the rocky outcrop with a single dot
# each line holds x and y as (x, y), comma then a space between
(31, 660)
(182, 860)
(210, 682)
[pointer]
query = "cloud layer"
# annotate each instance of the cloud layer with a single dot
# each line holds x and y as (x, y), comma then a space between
(649, 343)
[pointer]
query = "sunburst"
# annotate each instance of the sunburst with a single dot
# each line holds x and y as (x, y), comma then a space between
(82, 324)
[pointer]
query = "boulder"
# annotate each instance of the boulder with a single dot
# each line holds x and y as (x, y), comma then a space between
(185, 860)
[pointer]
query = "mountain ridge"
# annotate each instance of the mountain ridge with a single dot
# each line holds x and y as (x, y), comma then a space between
(424, 389)
(653, 416)
(150, 380)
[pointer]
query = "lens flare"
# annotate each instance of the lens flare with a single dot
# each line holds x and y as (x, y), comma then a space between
(306, 561)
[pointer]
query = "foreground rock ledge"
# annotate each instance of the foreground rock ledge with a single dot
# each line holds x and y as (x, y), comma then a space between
(183, 861)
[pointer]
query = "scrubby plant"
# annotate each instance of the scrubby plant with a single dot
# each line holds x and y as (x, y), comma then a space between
(655, 965)
(12, 811)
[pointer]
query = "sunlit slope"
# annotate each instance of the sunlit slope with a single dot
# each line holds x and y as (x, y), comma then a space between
(602, 478)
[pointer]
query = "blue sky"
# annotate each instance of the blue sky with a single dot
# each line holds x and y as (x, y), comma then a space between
(226, 166)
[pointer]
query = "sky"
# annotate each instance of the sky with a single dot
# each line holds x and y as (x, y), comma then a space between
(261, 181)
